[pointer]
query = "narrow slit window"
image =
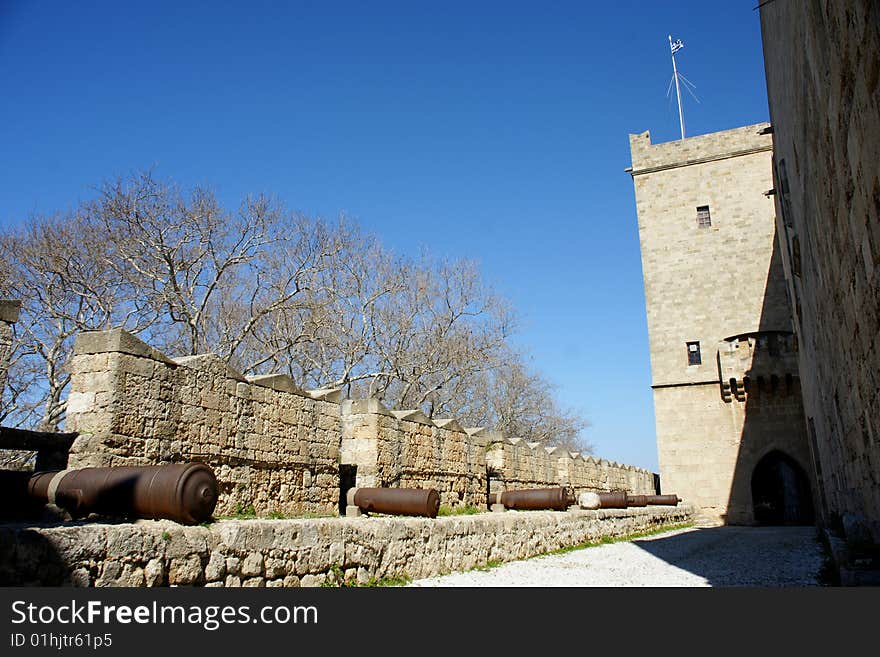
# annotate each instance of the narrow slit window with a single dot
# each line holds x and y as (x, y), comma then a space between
(704, 219)
(693, 349)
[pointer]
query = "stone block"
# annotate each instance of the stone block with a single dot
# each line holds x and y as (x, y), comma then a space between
(187, 570)
(279, 382)
(9, 310)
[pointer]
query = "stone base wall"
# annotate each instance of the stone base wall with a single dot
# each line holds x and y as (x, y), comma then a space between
(301, 552)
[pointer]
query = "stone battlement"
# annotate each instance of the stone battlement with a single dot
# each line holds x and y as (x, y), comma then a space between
(758, 363)
(648, 157)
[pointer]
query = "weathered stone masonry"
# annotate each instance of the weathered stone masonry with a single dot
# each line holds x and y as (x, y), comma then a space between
(822, 61)
(718, 285)
(301, 552)
(273, 450)
(278, 449)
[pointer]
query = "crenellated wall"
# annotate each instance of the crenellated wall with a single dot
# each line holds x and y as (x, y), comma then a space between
(515, 463)
(274, 448)
(277, 449)
(406, 449)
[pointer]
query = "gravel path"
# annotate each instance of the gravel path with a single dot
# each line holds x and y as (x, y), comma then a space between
(715, 556)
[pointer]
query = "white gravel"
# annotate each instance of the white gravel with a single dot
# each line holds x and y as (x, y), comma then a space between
(715, 556)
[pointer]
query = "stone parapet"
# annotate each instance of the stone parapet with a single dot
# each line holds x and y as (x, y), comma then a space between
(648, 157)
(514, 463)
(278, 449)
(9, 310)
(406, 449)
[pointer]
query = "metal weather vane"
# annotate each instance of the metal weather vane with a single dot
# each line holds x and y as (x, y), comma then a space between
(674, 47)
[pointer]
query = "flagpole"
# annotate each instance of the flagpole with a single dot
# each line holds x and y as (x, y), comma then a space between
(677, 90)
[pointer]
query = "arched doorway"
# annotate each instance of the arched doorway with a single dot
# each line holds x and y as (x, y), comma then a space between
(781, 492)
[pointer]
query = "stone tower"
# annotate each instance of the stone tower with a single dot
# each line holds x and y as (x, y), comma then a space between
(731, 436)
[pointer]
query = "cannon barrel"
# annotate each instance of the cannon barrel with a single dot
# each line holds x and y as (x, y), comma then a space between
(670, 500)
(536, 498)
(396, 501)
(637, 500)
(184, 492)
(613, 500)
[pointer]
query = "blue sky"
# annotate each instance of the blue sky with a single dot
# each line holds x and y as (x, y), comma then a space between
(488, 130)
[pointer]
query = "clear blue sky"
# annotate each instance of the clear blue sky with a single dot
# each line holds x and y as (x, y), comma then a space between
(489, 130)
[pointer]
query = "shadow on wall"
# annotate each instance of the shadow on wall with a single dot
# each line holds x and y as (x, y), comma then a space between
(32, 560)
(773, 481)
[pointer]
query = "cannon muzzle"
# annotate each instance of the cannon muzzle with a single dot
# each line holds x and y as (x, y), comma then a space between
(670, 500)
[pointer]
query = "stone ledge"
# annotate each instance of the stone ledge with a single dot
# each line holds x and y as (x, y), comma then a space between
(210, 363)
(332, 395)
(278, 382)
(364, 407)
(119, 341)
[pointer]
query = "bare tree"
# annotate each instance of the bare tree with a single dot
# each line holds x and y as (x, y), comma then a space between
(520, 403)
(67, 284)
(267, 290)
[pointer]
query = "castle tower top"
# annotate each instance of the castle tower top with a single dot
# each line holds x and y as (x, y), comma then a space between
(648, 157)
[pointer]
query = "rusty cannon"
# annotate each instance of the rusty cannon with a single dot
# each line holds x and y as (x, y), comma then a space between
(636, 500)
(663, 500)
(185, 492)
(396, 501)
(533, 499)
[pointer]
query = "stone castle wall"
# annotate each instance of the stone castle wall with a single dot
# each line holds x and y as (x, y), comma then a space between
(405, 449)
(274, 449)
(277, 449)
(711, 463)
(515, 463)
(822, 62)
(721, 286)
(304, 552)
